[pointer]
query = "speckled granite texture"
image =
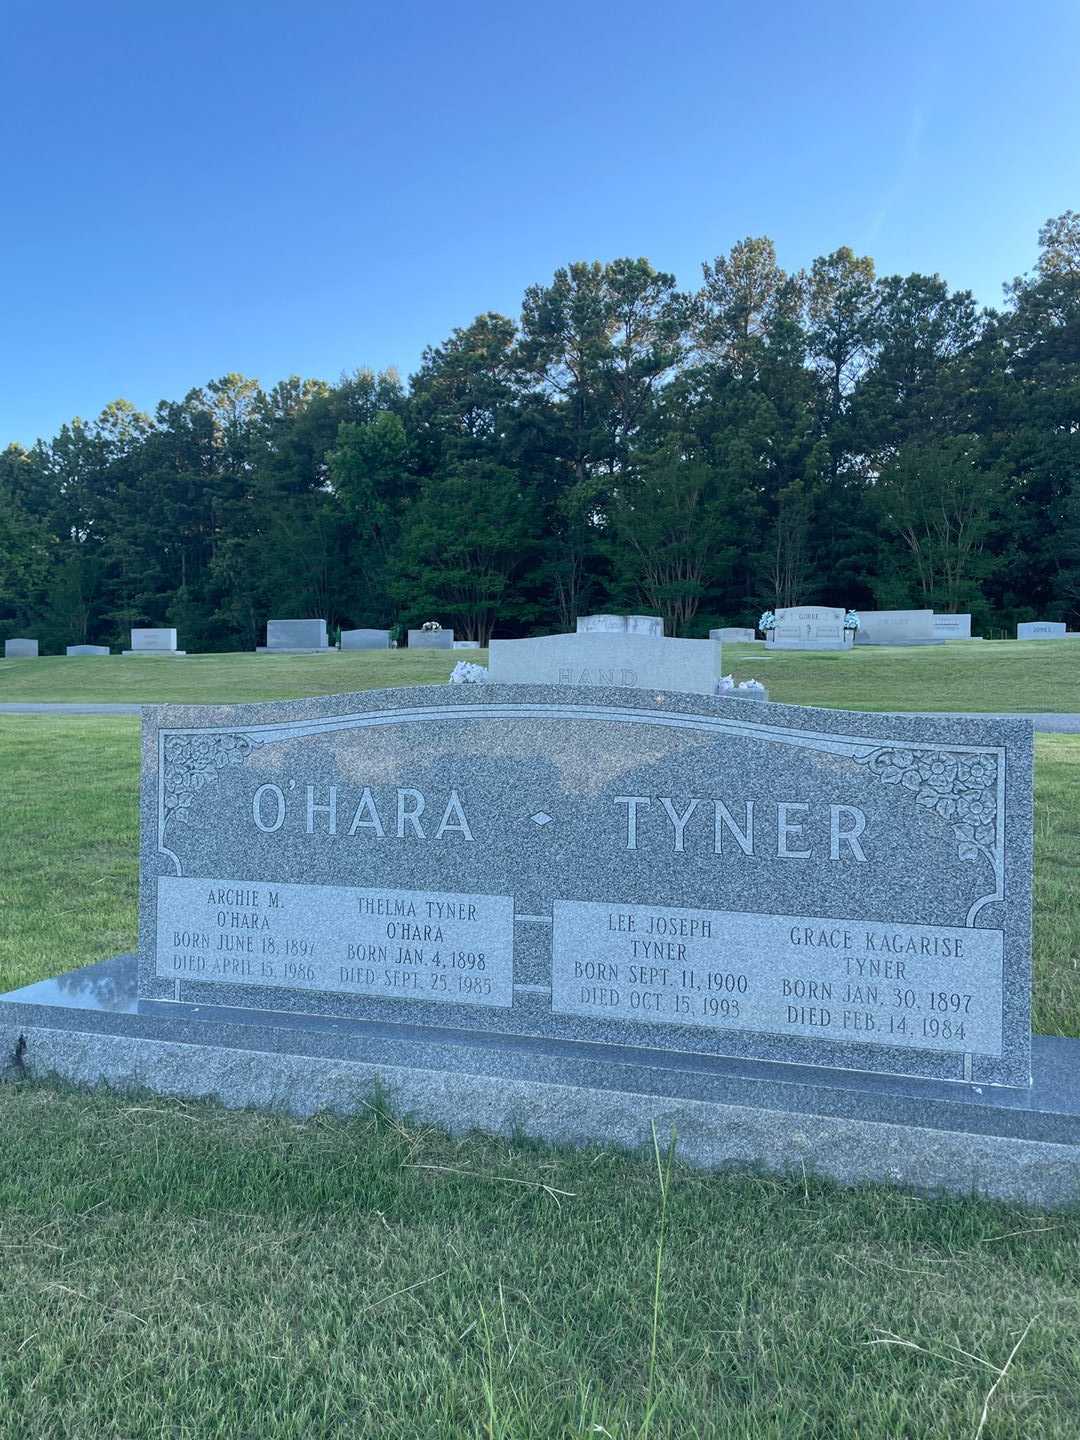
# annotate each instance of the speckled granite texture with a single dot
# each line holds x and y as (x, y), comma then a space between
(769, 882)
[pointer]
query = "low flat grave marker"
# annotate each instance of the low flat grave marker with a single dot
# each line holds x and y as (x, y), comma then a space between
(87, 650)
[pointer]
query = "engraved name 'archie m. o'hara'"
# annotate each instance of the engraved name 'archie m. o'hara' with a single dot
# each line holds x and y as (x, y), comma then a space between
(785, 830)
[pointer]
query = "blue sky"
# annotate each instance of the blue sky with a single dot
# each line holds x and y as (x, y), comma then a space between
(193, 188)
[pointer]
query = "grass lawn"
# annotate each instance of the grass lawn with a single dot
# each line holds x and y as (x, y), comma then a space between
(185, 1272)
(975, 675)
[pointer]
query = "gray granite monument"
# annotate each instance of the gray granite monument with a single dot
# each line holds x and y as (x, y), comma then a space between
(365, 639)
(736, 634)
(620, 625)
(295, 637)
(466, 645)
(799, 938)
(431, 639)
(608, 658)
(153, 641)
(896, 627)
(20, 649)
(952, 627)
(87, 650)
(809, 627)
(1041, 630)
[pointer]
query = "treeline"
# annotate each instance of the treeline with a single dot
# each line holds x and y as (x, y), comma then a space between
(828, 436)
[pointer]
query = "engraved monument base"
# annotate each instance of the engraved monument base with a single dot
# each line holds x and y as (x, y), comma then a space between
(1020, 1145)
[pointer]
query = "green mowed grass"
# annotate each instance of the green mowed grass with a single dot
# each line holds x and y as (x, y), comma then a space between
(182, 1271)
(177, 1270)
(1004, 675)
(222, 679)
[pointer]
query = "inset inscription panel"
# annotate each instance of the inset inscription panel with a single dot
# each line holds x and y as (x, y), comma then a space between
(925, 987)
(401, 944)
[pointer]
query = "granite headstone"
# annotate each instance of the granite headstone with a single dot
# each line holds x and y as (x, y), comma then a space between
(365, 639)
(620, 624)
(431, 639)
(20, 649)
(153, 641)
(651, 871)
(809, 627)
(87, 650)
(896, 627)
(737, 634)
(1041, 630)
(952, 627)
(294, 637)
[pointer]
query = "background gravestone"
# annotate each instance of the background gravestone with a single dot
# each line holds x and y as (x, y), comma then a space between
(809, 627)
(608, 658)
(896, 627)
(87, 650)
(294, 637)
(365, 639)
(620, 624)
(431, 639)
(952, 627)
(20, 649)
(1041, 630)
(466, 645)
(741, 635)
(153, 641)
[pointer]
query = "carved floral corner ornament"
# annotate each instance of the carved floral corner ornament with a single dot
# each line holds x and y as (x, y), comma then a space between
(962, 789)
(193, 761)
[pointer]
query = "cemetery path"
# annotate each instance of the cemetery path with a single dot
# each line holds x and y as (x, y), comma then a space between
(42, 707)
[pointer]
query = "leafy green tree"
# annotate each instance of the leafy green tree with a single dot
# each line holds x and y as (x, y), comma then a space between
(464, 550)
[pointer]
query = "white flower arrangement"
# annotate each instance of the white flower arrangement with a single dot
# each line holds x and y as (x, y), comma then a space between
(767, 621)
(726, 686)
(852, 621)
(466, 673)
(431, 625)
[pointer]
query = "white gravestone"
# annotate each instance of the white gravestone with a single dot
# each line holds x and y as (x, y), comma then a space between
(1041, 630)
(809, 627)
(644, 662)
(896, 627)
(620, 624)
(952, 627)
(466, 645)
(20, 649)
(153, 642)
(87, 650)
